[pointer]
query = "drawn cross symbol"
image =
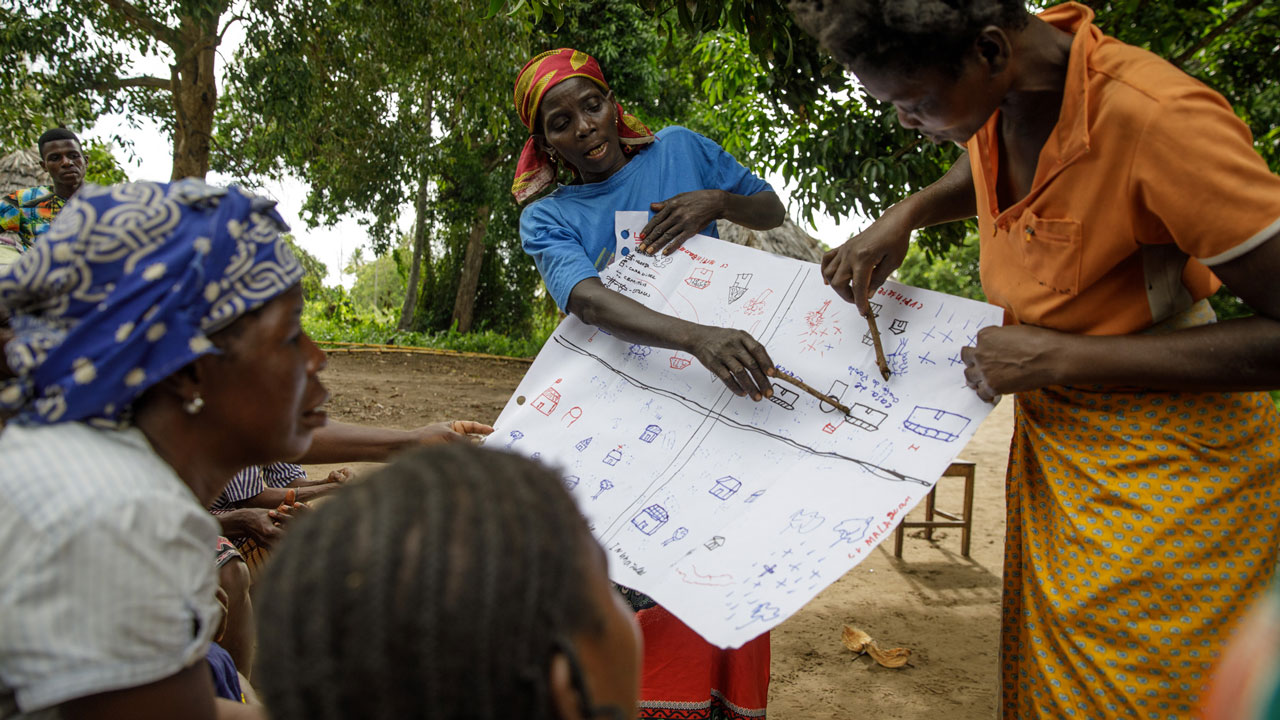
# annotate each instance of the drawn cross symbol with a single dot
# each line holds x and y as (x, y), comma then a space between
(782, 582)
(924, 359)
(928, 334)
(973, 339)
(795, 567)
(768, 570)
(815, 575)
(946, 336)
(955, 360)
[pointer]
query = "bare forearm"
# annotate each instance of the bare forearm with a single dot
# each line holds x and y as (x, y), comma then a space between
(271, 498)
(339, 443)
(627, 319)
(949, 198)
(762, 211)
(1239, 354)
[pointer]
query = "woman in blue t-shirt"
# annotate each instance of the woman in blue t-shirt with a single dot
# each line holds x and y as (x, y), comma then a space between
(688, 182)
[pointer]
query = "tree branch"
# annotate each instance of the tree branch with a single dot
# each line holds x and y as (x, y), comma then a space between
(145, 22)
(1213, 34)
(133, 82)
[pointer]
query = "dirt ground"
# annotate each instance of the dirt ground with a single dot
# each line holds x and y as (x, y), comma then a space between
(945, 608)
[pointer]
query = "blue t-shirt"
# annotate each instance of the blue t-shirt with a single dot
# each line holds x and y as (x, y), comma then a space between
(569, 233)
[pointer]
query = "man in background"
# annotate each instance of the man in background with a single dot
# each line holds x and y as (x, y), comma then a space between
(26, 214)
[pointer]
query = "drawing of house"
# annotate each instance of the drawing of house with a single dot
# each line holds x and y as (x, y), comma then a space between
(680, 362)
(784, 397)
(699, 279)
(546, 402)
(713, 543)
(865, 417)
(613, 457)
(651, 519)
(935, 423)
(582, 444)
(726, 487)
(650, 433)
(739, 287)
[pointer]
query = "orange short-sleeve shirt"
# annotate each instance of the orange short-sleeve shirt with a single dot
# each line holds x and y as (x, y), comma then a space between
(1147, 181)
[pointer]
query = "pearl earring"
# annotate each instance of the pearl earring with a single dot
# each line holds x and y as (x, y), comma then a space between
(194, 405)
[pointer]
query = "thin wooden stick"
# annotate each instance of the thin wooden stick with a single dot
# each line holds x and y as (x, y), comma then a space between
(828, 399)
(881, 362)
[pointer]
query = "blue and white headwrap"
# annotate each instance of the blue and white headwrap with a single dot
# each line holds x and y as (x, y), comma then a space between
(126, 288)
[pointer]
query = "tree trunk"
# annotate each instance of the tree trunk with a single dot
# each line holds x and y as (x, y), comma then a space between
(421, 253)
(195, 96)
(465, 304)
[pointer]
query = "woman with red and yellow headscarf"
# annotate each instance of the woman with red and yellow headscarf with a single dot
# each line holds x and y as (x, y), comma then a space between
(688, 182)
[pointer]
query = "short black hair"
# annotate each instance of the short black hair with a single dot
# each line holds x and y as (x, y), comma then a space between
(904, 35)
(441, 587)
(54, 135)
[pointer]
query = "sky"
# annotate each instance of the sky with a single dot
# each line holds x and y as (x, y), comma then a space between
(152, 159)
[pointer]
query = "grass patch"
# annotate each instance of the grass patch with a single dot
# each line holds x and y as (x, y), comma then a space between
(380, 329)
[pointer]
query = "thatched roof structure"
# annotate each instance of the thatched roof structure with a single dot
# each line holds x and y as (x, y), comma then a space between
(22, 169)
(787, 239)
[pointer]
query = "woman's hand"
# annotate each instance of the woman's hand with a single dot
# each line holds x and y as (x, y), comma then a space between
(736, 358)
(1012, 359)
(450, 432)
(860, 266)
(679, 218)
(257, 524)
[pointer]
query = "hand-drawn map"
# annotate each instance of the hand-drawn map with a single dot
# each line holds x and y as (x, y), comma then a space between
(733, 513)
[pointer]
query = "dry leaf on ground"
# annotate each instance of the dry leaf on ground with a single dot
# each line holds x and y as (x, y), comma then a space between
(860, 642)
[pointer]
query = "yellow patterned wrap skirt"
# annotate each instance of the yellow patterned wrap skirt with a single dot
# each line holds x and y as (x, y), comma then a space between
(1141, 527)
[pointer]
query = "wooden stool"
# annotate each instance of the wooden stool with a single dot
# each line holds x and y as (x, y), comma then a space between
(964, 521)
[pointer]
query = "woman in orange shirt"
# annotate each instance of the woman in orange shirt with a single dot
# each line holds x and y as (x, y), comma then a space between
(1111, 192)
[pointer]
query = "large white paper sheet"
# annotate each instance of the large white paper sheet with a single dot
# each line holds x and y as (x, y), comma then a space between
(732, 513)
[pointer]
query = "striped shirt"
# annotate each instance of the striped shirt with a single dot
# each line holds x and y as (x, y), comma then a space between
(105, 573)
(253, 480)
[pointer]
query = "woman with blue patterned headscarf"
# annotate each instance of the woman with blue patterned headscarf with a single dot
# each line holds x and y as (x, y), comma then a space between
(156, 351)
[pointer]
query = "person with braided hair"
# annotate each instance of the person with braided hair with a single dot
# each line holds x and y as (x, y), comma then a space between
(1113, 194)
(458, 583)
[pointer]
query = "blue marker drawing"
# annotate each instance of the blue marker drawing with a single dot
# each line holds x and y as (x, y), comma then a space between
(584, 443)
(613, 457)
(650, 433)
(804, 522)
(604, 485)
(651, 519)
(515, 435)
(571, 482)
(679, 534)
(850, 531)
(764, 612)
(726, 487)
(754, 495)
(936, 424)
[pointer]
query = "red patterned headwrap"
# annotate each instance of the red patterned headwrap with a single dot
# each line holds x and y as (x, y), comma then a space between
(536, 170)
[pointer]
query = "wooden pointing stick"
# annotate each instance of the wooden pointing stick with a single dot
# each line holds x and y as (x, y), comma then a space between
(881, 362)
(828, 399)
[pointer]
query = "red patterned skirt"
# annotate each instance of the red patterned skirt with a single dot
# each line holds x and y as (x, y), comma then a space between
(687, 678)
